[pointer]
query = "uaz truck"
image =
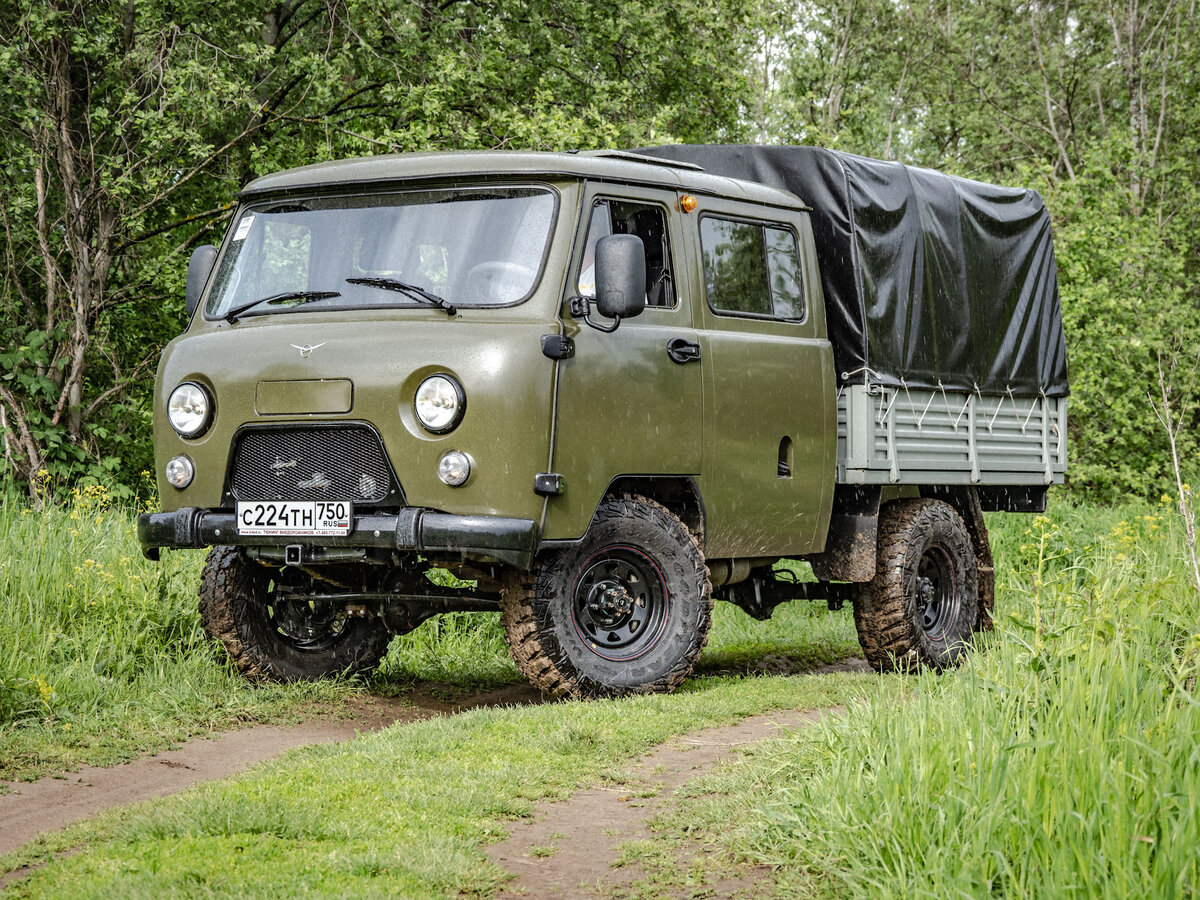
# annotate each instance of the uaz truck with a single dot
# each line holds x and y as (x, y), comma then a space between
(601, 390)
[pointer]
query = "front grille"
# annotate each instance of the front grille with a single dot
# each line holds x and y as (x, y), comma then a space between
(310, 463)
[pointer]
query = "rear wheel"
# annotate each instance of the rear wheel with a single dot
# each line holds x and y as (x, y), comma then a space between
(271, 627)
(923, 605)
(625, 612)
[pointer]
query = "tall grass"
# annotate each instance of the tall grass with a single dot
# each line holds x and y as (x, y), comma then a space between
(1064, 761)
(83, 615)
(101, 651)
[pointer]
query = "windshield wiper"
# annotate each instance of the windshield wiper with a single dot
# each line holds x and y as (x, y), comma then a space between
(298, 296)
(412, 291)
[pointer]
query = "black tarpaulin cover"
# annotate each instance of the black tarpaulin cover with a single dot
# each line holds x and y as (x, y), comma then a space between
(929, 279)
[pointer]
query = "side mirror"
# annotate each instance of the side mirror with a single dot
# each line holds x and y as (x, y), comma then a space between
(200, 266)
(620, 276)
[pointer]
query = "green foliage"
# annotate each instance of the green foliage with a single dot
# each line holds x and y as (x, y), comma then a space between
(1128, 303)
(1061, 760)
(127, 129)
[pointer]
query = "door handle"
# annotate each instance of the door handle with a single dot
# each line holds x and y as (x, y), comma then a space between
(682, 351)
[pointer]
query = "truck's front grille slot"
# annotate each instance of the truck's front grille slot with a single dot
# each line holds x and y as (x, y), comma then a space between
(342, 463)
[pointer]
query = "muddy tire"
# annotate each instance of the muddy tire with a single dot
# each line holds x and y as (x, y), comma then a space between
(627, 611)
(923, 605)
(277, 639)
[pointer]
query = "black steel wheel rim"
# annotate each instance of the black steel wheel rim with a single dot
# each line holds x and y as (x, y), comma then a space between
(938, 599)
(619, 603)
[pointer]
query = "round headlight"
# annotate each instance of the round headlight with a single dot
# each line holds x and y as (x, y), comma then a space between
(439, 403)
(180, 472)
(189, 409)
(454, 468)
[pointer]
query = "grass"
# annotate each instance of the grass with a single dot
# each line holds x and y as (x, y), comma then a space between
(101, 652)
(102, 657)
(1062, 762)
(399, 813)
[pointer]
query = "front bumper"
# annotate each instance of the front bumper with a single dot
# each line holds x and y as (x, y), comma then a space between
(511, 541)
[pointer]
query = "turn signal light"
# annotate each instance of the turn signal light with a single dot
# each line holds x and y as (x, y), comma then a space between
(180, 471)
(454, 468)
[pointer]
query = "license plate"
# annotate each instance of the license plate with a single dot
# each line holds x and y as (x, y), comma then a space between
(303, 518)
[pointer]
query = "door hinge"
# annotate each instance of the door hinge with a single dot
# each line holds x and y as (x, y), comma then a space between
(549, 483)
(556, 346)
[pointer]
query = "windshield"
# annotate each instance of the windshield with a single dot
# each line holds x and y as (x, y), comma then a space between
(478, 247)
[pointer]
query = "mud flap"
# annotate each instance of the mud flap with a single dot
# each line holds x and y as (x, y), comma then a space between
(850, 544)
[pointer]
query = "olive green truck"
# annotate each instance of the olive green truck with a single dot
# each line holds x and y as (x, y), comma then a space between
(598, 391)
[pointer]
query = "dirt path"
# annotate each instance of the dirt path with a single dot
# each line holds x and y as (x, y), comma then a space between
(568, 849)
(53, 803)
(50, 804)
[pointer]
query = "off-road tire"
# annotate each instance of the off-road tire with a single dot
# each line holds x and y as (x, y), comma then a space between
(235, 601)
(549, 626)
(924, 551)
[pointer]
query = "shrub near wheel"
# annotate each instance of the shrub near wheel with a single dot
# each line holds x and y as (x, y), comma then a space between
(270, 630)
(627, 611)
(923, 604)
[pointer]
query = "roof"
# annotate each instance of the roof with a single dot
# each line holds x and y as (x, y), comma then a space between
(601, 165)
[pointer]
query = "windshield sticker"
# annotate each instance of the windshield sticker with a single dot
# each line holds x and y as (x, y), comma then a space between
(243, 228)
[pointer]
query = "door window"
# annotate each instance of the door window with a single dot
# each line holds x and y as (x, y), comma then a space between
(647, 222)
(751, 268)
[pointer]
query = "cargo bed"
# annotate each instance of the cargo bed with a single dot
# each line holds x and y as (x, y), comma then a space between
(890, 435)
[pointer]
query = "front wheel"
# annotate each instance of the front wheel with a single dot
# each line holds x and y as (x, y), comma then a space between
(923, 605)
(625, 612)
(271, 630)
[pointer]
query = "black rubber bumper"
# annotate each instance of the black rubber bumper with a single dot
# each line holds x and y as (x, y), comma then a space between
(510, 541)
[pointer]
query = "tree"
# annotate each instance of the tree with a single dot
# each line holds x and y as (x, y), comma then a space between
(111, 113)
(127, 125)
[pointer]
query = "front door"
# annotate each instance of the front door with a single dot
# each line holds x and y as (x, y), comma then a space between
(624, 407)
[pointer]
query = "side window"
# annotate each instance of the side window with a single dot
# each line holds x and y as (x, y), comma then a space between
(647, 222)
(751, 268)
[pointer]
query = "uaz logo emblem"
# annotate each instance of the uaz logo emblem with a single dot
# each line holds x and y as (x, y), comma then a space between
(307, 349)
